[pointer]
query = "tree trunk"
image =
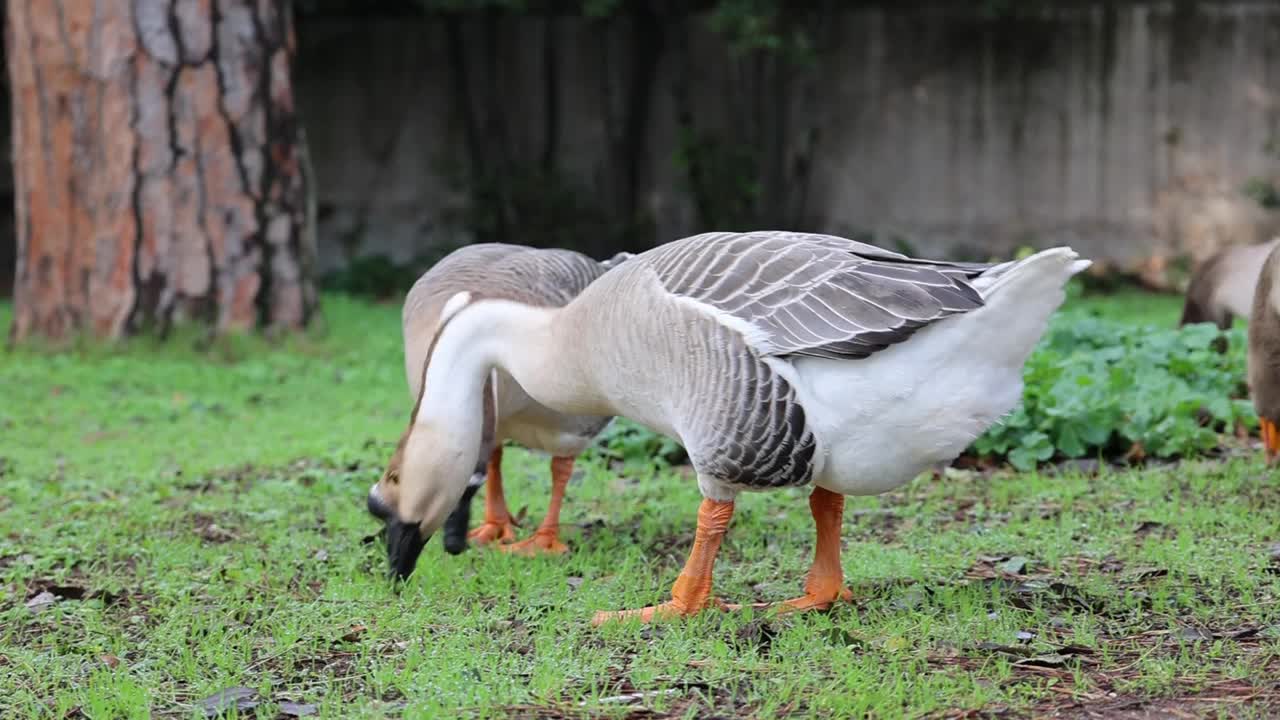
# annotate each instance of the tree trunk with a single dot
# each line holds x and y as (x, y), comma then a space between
(159, 167)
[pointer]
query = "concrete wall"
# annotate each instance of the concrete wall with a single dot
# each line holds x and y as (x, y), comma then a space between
(1126, 129)
(1127, 133)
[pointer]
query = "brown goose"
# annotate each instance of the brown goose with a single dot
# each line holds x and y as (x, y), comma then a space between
(777, 359)
(540, 278)
(1222, 287)
(1264, 352)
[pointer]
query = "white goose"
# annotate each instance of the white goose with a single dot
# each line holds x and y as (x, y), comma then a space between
(778, 360)
(545, 278)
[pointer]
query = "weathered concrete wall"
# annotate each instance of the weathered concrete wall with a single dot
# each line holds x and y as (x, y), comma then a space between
(1127, 133)
(1126, 130)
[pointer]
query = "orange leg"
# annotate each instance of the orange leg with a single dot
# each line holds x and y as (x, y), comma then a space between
(1270, 439)
(825, 582)
(498, 525)
(692, 592)
(546, 539)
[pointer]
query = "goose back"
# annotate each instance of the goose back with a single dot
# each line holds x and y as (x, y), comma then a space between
(714, 321)
(1223, 286)
(533, 276)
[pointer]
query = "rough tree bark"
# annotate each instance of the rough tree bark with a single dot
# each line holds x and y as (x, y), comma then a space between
(159, 167)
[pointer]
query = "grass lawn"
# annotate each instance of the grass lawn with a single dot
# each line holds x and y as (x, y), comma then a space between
(175, 524)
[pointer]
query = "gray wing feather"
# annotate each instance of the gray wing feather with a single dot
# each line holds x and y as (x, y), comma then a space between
(817, 295)
(755, 434)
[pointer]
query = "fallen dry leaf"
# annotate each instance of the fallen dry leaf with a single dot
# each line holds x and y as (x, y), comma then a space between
(224, 701)
(1054, 657)
(1194, 634)
(1049, 660)
(42, 601)
(1014, 565)
(289, 709)
(1145, 573)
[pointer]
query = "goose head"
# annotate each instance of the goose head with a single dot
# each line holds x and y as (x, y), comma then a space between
(404, 542)
(403, 546)
(423, 489)
(442, 448)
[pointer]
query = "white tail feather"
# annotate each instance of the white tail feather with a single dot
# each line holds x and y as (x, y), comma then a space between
(1053, 266)
(1019, 304)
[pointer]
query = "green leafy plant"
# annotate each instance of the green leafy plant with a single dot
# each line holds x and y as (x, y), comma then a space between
(1101, 387)
(633, 444)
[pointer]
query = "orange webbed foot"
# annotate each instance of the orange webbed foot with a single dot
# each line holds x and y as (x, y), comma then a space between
(494, 531)
(822, 600)
(540, 543)
(667, 610)
(816, 600)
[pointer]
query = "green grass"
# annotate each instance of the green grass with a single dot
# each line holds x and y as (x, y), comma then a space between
(202, 512)
(1135, 306)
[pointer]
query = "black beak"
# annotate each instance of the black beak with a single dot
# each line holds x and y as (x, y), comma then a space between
(404, 541)
(459, 522)
(404, 545)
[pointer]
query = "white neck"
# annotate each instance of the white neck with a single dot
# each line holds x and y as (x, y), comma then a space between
(441, 449)
(513, 337)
